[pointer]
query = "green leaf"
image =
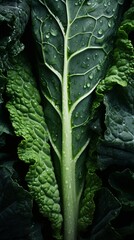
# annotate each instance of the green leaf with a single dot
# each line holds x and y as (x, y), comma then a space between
(28, 121)
(87, 204)
(107, 209)
(117, 147)
(123, 57)
(123, 183)
(73, 42)
(15, 207)
(5, 125)
(14, 16)
(73, 53)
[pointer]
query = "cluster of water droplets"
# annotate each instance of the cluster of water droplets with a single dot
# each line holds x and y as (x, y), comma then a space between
(78, 3)
(53, 32)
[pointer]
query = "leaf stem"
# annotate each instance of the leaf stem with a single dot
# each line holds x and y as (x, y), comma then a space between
(70, 203)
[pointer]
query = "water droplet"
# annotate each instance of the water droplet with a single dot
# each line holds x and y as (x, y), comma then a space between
(76, 114)
(123, 123)
(78, 3)
(100, 32)
(90, 76)
(109, 24)
(95, 56)
(70, 102)
(53, 32)
(47, 35)
(109, 3)
(84, 65)
(89, 3)
(98, 67)
(88, 85)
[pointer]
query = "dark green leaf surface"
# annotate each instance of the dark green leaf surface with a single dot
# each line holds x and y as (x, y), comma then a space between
(117, 147)
(73, 41)
(107, 209)
(15, 208)
(14, 16)
(73, 53)
(123, 183)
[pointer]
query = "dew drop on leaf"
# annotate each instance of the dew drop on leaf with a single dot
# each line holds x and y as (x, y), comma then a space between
(70, 102)
(53, 32)
(47, 36)
(90, 76)
(84, 65)
(101, 21)
(100, 32)
(109, 24)
(98, 67)
(89, 3)
(88, 85)
(76, 114)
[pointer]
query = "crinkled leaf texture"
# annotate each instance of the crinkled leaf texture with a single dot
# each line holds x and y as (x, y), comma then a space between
(28, 121)
(73, 45)
(14, 16)
(117, 147)
(87, 204)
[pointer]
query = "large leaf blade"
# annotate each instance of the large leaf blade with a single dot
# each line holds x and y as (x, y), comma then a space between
(69, 60)
(73, 55)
